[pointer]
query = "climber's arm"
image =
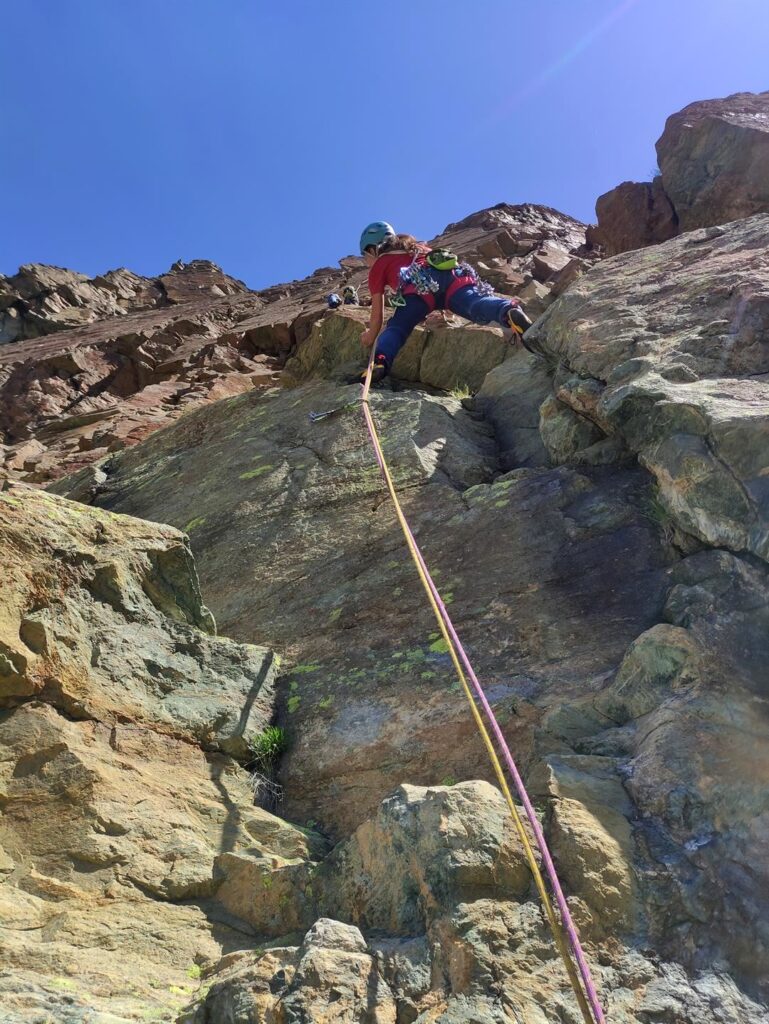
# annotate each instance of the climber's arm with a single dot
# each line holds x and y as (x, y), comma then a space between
(371, 333)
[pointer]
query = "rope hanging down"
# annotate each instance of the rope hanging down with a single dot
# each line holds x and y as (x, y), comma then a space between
(587, 998)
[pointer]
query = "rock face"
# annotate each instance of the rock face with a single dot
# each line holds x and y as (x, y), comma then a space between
(70, 398)
(140, 351)
(672, 372)
(357, 633)
(40, 299)
(676, 369)
(596, 521)
(714, 162)
(117, 800)
(624, 644)
(436, 880)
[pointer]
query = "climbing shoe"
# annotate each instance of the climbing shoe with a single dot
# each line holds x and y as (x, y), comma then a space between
(379, 371)
(517, 320)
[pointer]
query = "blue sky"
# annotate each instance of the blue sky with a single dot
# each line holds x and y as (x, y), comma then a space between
(264, 136)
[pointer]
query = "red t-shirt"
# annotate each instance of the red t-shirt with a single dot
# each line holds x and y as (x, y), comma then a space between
(386, 270)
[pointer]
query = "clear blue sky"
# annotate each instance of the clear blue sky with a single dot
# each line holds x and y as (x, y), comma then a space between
(264, 135)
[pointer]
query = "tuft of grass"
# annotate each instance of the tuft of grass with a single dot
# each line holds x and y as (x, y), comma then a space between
(460, 392)
(656, 511)
(267, 747)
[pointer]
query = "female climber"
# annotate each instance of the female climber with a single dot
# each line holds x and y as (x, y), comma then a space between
(422, 280)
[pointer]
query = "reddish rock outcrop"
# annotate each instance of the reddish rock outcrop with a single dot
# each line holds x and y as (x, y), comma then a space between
(714, 161)
(714, 157)
(40, 299)
(633, 215)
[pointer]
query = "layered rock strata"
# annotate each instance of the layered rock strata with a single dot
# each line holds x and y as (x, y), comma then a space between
(39, 299)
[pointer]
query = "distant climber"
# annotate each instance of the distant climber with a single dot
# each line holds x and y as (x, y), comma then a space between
(334, 300)
(422, 280)
(350, 295)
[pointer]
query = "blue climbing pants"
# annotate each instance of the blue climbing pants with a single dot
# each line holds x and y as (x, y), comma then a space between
(466, 302)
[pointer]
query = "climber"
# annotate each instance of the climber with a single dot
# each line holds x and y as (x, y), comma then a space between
(423, 280)
(350, 295)
(334, 300)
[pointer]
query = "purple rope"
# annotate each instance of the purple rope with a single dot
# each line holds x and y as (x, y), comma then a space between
(547, 859)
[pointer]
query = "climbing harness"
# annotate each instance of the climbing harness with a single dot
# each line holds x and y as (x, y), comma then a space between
(418, 278)
(584, 991)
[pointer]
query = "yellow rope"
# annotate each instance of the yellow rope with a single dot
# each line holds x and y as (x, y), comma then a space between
(555, 926)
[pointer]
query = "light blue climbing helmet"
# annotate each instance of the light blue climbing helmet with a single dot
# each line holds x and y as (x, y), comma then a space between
(375, 233)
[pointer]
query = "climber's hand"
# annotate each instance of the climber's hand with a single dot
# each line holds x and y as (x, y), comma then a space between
(368, 338)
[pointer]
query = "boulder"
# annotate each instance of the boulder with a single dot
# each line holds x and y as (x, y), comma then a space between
(331, 977)
(714, 168)
(449, 358)
(714, 158)
(426, 851)
(114, 629)
(667, 342)
(634, 215)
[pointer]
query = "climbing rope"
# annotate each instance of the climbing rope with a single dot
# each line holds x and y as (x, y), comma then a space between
(587, 997)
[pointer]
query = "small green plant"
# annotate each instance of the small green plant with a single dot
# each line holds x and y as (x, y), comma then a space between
(267, 746)
(656, 511)
(266, 749)
(193, 971)
(461, 391)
